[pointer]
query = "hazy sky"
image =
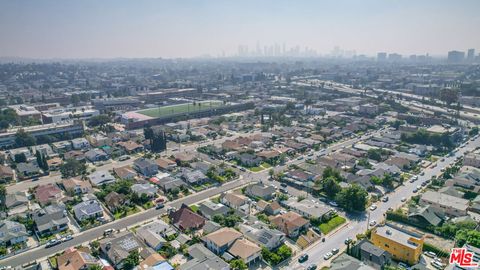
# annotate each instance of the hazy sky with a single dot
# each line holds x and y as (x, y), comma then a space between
(188, 28)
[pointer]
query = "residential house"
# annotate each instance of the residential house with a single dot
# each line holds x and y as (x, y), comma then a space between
(290, 223)
(402, 244)
(166, 164)
(194, 177)
(146, 167)
(14, 200)
(168, 183)
(62, 146)
(76, 259)
(153, 234)
(262, 235)
(12, 233)
(28, 170)
(148, 189)
(444, 204)
(154, 262)
(98, 140)
(96, 155)
(248, 160)
(87, 210)
(102, 177)
(272, 208)
(74, 154)
(309, 208)
(261, 191)
(210, 209)
(76, 186)
(49, 193)
(221, 240)
(54, 163)
(472, 160)
(114, 200)
(51, 219)
(246, 251)
(371, 255)
(131, 147)
(125, 172)
(80, 144)
(425, 215)
(235, 201)
(185, 219)
(202, 258)
(345, 262)
(6, 174)
(117, 248)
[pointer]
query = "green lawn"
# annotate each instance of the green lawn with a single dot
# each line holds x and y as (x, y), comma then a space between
(194, 207)
(131, 210)
(266, 165)
(331, 224)
(255, 169)
(181, 108)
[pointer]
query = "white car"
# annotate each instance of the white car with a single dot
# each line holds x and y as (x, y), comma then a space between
(403, 199)
(373, 207)
(328, 256)
(430, 254)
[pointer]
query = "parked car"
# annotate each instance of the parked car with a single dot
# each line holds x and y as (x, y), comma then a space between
(283, 185)
(403, 265)
(373, 223)
(327, 256)
(303, 258)
(335, 251)
(430, 254)
(332, 203)
(312, 267)
(52, 243)
(123, 158)
(373, 207)
(348, 241)
(67, 238)
(437, 265)
(317, 230)
(159, 206)
(107, 232)
(403, 199)
(385, 199)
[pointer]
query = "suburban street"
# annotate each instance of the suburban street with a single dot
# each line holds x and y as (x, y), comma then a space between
(359, 224)
(92, 234)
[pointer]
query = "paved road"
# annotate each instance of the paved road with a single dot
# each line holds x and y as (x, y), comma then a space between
(56, 177)
(92, 234)
(359, 223)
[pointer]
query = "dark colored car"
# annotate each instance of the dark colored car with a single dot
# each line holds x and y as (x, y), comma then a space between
(303, 258)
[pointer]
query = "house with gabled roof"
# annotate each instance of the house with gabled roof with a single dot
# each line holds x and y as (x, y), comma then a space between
(185, 219)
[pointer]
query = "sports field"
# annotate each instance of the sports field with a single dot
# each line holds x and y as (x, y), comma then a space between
(181, 108)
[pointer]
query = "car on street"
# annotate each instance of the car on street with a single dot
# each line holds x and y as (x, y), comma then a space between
(385, 199)
(66, 238)
(123, 158)
(402, 265)
(373, 207)
(332, 203)
(312, 267)
(327, 256)
(348, 241)
(52, 243)
(403, 199)
(159, 206)
(283, 185)
(437, 265)
(335, 251)
(415, 190)
(430, 254)
(372, 223)
(303, 258)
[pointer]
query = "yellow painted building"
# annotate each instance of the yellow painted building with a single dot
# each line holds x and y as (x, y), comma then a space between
(404, 245)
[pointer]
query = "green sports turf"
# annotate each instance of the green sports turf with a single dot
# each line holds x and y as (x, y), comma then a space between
(180, 108)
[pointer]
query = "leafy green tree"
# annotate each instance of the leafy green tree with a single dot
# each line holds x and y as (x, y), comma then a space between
(352, 198)
(238, 265)
(284, 251)
(99, 120)
(131, 261)
(95, 267)
(331, 187)
(449, 95)
(24, 139)
(329, 171)
(471, 237)
(473, 131)
(72, 167)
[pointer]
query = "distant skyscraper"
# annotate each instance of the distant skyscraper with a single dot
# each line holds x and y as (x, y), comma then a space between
(471, 55)
(456, 56)
(394, 57)
(381, 56)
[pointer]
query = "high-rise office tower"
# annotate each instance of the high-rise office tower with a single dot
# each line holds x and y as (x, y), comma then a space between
(381, 56)
(456, 56)
(471, 55)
